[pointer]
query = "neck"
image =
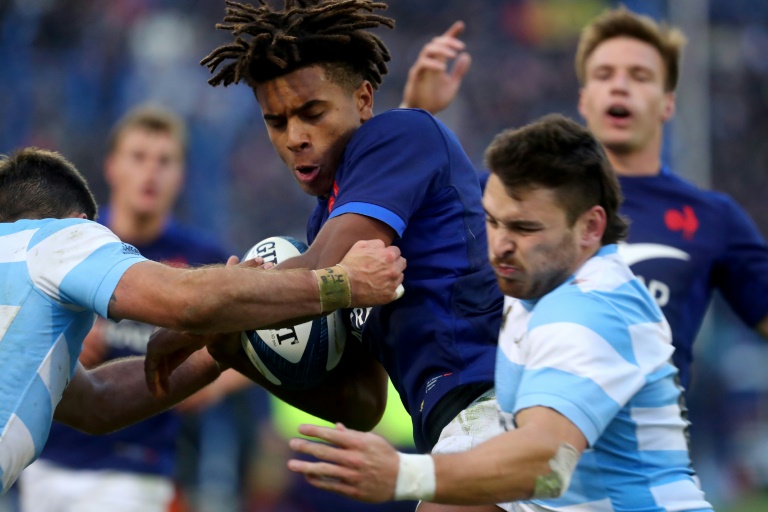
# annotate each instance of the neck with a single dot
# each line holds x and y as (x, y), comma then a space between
(642, 162)
(136, 229)
(585, 256)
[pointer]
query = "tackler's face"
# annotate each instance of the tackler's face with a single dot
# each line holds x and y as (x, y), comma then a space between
(531, 245)
(310, 120)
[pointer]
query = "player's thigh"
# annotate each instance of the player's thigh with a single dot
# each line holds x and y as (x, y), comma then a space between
(435, 507)
(480, 421)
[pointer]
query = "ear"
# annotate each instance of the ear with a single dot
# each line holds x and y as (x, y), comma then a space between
(364, 101)
(592, 225)
(669, 107)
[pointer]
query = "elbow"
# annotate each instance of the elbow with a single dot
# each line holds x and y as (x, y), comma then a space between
(369, 408)
(367, 417)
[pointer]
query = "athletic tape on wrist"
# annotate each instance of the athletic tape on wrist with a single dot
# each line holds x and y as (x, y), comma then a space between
(335, 292)
(415, 477)
(554, 484)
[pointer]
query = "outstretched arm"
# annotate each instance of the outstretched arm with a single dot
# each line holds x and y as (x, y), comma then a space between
(225, 299)
(431, 85)
(515, 465)
(114, 395)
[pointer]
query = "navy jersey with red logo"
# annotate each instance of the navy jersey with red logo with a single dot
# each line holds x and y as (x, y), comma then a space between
(148, 446)
(684, 243)
(406, 169)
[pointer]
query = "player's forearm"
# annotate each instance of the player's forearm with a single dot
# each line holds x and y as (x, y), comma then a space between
(247, 299)
(120, 396)
(355, 393)
(502, 469)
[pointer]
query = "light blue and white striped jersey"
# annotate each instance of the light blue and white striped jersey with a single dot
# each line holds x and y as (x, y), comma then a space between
(54, 275)
(597, 350)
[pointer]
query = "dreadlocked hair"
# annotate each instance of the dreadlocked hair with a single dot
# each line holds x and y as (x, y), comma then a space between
(270, 43)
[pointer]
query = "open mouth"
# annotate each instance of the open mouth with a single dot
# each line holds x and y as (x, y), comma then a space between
(307, 172)
(619, 112)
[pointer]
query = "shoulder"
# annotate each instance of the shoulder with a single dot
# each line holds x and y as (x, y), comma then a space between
(568, 304)
(71, 232)
(411, 126)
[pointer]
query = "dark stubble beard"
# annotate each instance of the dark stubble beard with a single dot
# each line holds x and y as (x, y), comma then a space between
(559, 261)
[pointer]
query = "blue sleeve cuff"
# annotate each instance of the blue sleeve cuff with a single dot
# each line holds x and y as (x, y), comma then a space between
(565, 407)
(109, 283)
(374, 211)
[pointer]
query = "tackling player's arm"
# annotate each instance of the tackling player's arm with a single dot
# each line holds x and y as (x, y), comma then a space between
(233, 298)
(534, 460)
(355, 392)
(114, 395)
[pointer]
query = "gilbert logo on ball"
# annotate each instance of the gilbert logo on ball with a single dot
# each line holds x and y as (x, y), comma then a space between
(300, 356)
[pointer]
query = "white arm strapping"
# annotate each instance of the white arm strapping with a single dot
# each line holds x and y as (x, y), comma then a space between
(415, 477)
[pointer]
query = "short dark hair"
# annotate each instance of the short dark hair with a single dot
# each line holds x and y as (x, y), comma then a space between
(40, 184)
(153, 118)
(622, 22)
(557, 153)
(271, 43)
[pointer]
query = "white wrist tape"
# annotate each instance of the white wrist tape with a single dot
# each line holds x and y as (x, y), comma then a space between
(415, 478)
(557, 481)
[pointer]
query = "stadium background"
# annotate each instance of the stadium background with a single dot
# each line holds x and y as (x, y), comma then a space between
(69, 69)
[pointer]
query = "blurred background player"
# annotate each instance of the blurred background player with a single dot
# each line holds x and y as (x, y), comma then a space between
(400, 177)
(684, 242)
(136, 467)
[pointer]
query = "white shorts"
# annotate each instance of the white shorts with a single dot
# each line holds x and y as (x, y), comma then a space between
(46, 487)
(480, 421)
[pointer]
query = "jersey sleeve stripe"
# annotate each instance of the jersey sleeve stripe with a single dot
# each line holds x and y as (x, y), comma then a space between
(385, 215)
(588, 355)
(79, 286)
(53, 258)
(591, 411)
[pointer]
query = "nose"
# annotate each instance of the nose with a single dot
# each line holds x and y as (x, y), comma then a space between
(500, 243)
(298, 137)
(620, 82)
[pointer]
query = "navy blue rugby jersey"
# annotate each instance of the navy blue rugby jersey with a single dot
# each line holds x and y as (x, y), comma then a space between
(684, 243)
(406, 169)
(149, 446)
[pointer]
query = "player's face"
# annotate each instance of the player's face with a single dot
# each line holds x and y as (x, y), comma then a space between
(530, 244)
(145, 172)
(310, 120)
(623, 99)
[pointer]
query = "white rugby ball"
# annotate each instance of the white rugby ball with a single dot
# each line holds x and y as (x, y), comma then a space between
(297, 357)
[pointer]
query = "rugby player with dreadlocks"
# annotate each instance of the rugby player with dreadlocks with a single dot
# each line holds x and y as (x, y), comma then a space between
(401, 177)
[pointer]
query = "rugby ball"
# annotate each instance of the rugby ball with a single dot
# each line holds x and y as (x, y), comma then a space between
(297, 357)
